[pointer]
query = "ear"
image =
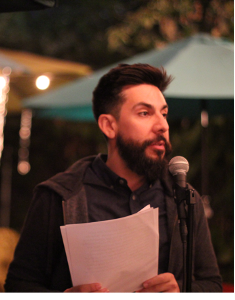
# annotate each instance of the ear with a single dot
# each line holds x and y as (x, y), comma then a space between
(107, 124)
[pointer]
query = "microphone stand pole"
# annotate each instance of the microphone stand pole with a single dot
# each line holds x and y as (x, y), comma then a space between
(190, 223)
(185, 197)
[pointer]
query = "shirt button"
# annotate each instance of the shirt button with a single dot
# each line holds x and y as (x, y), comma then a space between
(121, 181)
(133, 197)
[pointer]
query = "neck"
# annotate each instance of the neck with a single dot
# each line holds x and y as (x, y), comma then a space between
(118, 166)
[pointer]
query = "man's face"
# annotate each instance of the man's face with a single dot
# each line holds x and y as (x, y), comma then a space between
(143, 131)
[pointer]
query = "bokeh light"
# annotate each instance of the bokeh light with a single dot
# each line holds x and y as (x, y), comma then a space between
(42, 82)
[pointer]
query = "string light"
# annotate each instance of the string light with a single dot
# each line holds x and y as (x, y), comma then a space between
(24, 133)
(2, 83)
(4, 89)
(204, 119)
(26, 120)
(42, 82)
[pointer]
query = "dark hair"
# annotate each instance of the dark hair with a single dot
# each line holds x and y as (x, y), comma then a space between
(107, 98)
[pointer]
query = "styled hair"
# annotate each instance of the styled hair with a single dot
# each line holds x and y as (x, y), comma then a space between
(107, 96)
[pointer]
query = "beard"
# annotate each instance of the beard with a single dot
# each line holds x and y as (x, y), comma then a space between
(133, 153)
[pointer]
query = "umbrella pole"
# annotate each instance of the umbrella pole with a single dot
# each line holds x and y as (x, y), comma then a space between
(204, 149)
(204, 135)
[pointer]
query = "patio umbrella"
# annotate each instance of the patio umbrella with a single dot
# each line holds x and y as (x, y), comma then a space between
(201, 65)
(26, 67)
(24, 5)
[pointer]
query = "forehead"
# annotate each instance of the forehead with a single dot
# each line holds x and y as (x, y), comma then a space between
(143, 93)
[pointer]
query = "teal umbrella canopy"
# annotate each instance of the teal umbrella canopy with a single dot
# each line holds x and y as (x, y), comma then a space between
(202, 68)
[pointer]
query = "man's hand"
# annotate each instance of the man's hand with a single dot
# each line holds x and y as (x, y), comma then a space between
(87, 288)
(161, 283)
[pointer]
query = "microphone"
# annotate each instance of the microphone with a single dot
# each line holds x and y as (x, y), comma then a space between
(178, 167)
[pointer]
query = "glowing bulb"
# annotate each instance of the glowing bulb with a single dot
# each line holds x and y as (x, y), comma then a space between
(42, 82)
(2, 82)
(204, 119)
(23, 167)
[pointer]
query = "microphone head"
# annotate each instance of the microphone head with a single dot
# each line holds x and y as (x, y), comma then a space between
(178, 164)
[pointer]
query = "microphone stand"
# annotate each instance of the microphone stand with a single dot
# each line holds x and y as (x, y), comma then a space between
(185, 201)
(190, 202)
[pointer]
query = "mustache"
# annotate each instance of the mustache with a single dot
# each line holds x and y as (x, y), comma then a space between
(159, 138)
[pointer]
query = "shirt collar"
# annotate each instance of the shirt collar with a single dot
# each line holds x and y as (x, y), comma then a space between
(100, 173)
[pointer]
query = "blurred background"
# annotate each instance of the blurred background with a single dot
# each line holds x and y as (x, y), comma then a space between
(69, 41)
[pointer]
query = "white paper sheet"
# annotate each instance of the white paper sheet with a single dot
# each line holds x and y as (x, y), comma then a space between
(120, 254)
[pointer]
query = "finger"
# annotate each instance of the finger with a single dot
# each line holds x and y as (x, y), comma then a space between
(159, 279)
(151, 285)
(161, 283)
(153, 289)
(103, 290)
(85, 288)
(89, 288)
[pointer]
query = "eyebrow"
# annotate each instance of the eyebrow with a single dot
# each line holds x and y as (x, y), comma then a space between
(148, 105)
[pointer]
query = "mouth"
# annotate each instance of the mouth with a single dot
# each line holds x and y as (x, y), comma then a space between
(159, 145)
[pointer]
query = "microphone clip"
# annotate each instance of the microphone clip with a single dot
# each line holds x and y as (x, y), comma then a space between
(184, 198)
(184, 194)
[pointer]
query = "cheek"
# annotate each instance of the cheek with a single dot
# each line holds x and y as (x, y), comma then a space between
(134, 131)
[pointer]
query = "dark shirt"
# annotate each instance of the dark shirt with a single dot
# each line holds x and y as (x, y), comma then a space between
(109, 197)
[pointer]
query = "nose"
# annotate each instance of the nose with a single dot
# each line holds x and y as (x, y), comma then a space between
(160, 124)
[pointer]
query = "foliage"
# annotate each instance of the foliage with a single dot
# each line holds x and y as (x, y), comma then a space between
(73, 31)
(161, 22)
(101, 32)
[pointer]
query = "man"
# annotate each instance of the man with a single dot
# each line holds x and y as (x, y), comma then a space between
(131, 111)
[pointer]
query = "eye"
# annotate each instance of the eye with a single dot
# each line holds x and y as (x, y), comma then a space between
(143, 113)
(165, 115)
